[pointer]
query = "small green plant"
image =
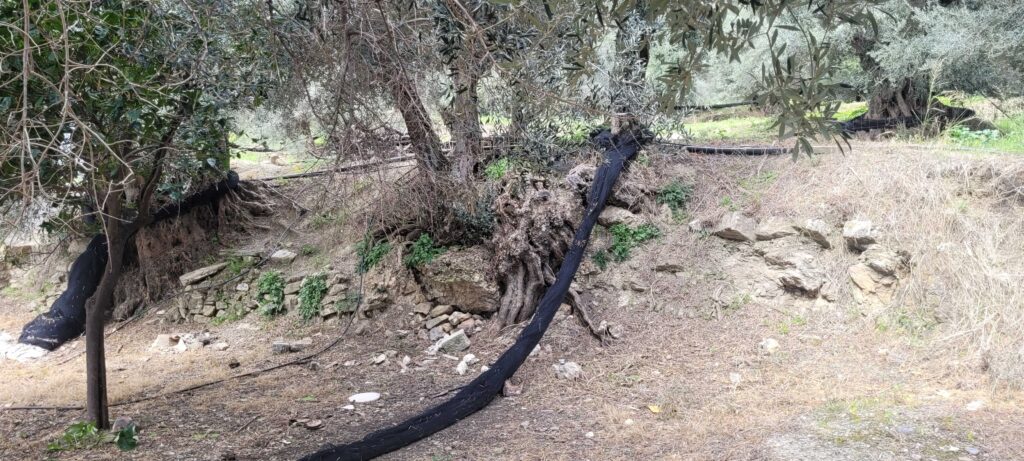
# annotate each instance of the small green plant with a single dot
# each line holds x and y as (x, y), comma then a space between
(422, 251)
(325, 219)
(349, 303)
(728, 203)
(676, 195)
(498, 168)
(84, 435)
(270, 293)
(625, 238)
(231, 314)
(370, 253)
(965, 135)
(311, 294)
(237, 264)
(600, 258)
(738, 301)
(309, 250)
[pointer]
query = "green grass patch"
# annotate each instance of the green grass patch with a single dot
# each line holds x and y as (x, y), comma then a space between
(85, 435)
(850, 110)
(1008, 138)
(745, 128)
(497, 169)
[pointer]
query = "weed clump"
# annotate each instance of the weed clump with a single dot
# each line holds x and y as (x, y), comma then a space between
(311, 294)
(370, 253)
(626, 238)
(270, 293)
(676, 195)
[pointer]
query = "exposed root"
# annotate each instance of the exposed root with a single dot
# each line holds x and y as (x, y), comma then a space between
(535, 228)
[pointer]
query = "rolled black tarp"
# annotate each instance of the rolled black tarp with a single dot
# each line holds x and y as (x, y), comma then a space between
(66, 318)
(478, 393)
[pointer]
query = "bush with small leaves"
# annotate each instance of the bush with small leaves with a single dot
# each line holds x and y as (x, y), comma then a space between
(311, 294)
(270, 293)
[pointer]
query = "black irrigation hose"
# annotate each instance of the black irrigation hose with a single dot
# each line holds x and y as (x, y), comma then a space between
(863, 123)
(66, 318)
(737, 150)
(478, 393)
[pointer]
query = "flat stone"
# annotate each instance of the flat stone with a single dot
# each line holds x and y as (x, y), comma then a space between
(422, 308)
(774, 228)
(615, 215)
(301, 344)
(283, 256)
(864, 277)
(736, 226)
(436, 321)
(281, 347)
(568, 370)
(165, 341)
(457, 317)
(292, 288)
(816, 230)
(198, 275)
(242, 287)
(220, 346)
(209, 310)
(441, 310)
(435, 334)
(452, 343)
(364, 397)
(769, 346)
(669, 267)
(859, 234)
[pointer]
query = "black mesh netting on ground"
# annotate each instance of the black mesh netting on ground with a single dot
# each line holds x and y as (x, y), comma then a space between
(478, 393)
(66, 318)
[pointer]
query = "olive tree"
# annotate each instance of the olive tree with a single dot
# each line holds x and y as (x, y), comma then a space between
(111, 107)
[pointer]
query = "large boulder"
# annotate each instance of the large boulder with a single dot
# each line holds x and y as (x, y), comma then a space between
(774, 228)
(817, 230)
(458, 278)
(201, 274)
(798, 270)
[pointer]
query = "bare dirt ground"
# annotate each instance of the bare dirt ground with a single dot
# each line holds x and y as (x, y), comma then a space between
(687, 381)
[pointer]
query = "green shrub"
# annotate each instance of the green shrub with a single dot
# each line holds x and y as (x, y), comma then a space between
(625, 238)
(311, 294)
(237, 264)
(676, 195)
(422, 251)
(270, 293)
(370, 253)
(475, 225)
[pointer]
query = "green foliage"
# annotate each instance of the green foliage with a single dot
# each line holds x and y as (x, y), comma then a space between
(311, 294)
(965, 135)
(85, 435)
(497, 169)
(474, 225)
(626, 238)
(422, 251)
(729, 203)
(743, 128)
(676, 195)
(270, 293)
(370, 253)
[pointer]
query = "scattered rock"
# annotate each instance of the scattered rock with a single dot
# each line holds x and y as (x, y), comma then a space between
(669, 267)
(233, 363)
(769, 346)
(283, 256)
(198, 275)
(816, 230)
(455, 342)
(736, 226)
(458, 317)
(280, 347)
(301, 344)
(293, 288)
(435, 334)
(512, 387)
(800, 272)
(221, 346)
(242, 287)
(364, 397)
(568, 370)
(437, 321)
(458, 278)
(615, 215)
(774, 228)
(859, 234)
(422, 308)
(380, 359)
(284, 347)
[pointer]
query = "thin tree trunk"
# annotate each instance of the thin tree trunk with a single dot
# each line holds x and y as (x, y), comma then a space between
(417, 123)
(464, 124)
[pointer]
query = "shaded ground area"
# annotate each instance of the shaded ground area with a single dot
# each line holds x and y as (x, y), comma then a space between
(689, 380)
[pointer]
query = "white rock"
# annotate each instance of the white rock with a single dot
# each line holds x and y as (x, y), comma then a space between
(348, 407)
(201, 274)
(975, 405)
(283, 256)
(736, 226)
(221, 346)
(859, 234)
(568, 370)
(242, 287)
(817, 230)
(462, 368)
(734, 378)
(380, 359)
(769, 345)
(364, 397)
